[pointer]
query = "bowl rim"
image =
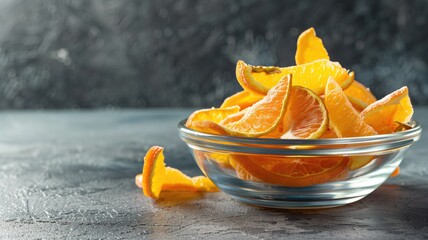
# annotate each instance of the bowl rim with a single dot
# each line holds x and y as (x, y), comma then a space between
(415, 131)
(355, 146)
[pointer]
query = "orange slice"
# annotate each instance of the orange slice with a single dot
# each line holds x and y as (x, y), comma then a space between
(329, 134)
(265, 115)
(306, 116)
(293, 172)
(207, 126)
(153, 172)
(206, 120)
(212, 114)
(382, 115)
(313, 75)
(179, 181)
(344, 119)
(242, 99)
(396, 172)
(357, 162)
(234, 117)
(310, 48)
(359, 95)
(156, 177)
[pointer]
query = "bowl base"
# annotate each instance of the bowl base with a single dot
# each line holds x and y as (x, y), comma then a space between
(281, 204)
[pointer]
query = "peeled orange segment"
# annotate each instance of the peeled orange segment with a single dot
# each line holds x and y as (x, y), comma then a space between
(153, 172)
(293, 172)
(310, 48)
(265, 115)
(242, 99)
(357, 162)
(212, 114)
(344, 119)
(313, 75)
(306, 115)
(383, 114)
(359, 95)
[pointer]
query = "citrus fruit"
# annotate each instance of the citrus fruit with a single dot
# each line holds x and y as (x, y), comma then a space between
(359, 95)
(313, 75)
(212, 114)
(204, 184)
(310, 48)
(344, 119)
(292, 171)
(156, 177)
(329, 134)
(207, 126)
(153, 172)
(306, 115)
(177, 181)
(265, 115)
(233, 117)
(383, 114)
(396, 172)
(242, 99)
(357, 162)
(206, 120)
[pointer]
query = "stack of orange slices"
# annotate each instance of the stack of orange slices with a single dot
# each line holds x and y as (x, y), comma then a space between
(316, 98)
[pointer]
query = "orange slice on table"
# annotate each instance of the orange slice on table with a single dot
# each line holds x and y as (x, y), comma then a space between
(153, 172)
(242, 99)
(156, 177)
(292, 172)
(265, 115)
(313, 75)
(179, 181)
(310, 48)
(382, 115)
(360, 96)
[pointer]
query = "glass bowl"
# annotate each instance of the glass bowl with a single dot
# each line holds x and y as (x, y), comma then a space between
(264, 172)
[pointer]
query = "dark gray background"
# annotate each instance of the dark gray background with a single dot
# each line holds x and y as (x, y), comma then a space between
(105, 53)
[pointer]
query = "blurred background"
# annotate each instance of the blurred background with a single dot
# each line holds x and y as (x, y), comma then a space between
(167, 53)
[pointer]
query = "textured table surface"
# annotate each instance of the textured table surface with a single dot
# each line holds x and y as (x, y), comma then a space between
(70, 174)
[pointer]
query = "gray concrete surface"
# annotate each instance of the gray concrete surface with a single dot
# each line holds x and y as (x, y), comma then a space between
(70, 175)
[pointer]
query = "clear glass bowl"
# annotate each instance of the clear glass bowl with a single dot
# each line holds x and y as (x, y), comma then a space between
(226, 161)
